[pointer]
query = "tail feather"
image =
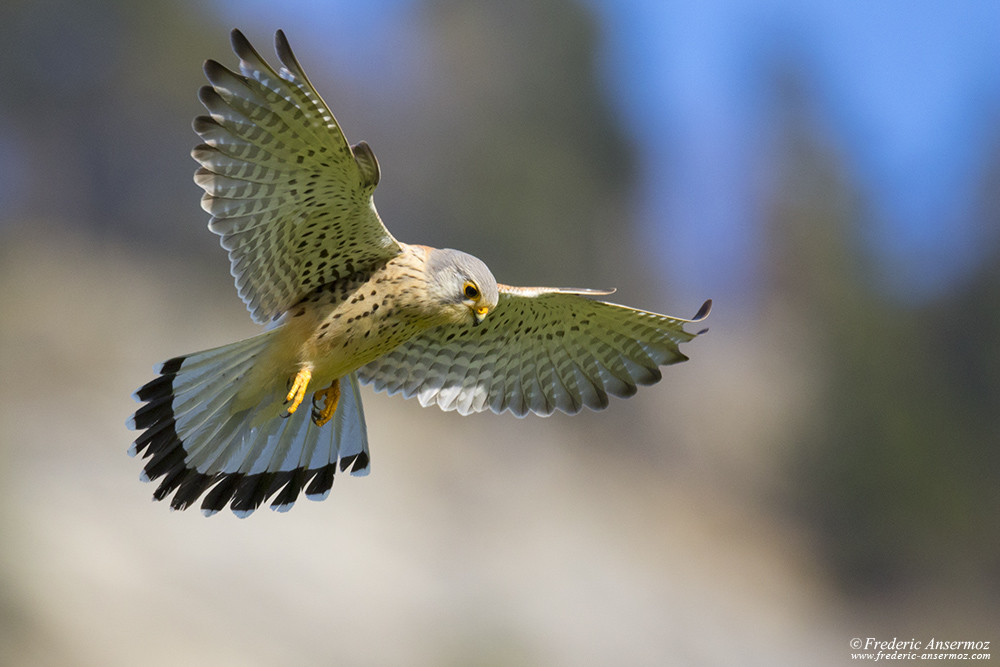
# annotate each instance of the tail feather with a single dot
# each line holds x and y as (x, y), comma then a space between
(199, 442)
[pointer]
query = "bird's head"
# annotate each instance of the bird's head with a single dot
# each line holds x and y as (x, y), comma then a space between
(462, 285)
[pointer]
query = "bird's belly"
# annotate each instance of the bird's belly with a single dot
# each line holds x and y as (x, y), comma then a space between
(347, 338)
(333, 333)
(337, 353)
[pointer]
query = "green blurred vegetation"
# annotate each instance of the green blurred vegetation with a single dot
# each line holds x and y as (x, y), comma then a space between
(897, 473)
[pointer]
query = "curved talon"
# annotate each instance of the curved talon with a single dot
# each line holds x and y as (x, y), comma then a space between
(331, 396)
(298, 391)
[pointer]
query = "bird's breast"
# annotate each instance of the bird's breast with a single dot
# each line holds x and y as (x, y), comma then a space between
(360, 320)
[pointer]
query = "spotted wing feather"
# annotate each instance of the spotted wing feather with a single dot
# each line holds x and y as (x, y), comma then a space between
(290, 198)
(539, 351)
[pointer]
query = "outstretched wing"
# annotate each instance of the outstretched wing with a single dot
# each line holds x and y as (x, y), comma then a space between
(290, 198)
(539, 350)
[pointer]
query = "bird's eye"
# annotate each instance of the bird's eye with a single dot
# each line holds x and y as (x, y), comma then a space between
(471, 291)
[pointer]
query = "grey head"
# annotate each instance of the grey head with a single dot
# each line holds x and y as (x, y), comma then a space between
(462, 283)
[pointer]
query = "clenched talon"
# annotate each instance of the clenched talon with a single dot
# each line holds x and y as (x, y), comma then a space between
(329, 397)
(298, 391)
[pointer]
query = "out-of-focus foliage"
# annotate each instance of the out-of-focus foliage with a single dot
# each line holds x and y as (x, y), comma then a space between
(542, 133)
(93, 94)
(897, 472)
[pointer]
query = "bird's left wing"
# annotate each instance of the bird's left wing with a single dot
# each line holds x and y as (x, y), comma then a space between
(291, 199)
(539, 350)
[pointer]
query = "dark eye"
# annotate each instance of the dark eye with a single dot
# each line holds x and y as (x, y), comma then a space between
(471, 291)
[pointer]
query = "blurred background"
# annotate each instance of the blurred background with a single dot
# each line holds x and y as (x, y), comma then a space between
(825, 467)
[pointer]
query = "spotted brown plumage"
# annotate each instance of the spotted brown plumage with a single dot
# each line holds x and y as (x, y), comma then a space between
(292, 203)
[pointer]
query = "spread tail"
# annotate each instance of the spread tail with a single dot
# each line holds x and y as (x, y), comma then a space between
(200, 440)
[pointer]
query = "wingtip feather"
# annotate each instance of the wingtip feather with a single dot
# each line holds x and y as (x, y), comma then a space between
(287, 57)
(282, 47)
(239, 41)
(214, 70)
(246, 52)
(702, 313)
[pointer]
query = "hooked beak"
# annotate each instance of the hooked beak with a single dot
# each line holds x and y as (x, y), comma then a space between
(479, 314)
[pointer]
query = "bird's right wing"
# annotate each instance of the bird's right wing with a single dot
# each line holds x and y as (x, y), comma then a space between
(290, 198)
(539, 350)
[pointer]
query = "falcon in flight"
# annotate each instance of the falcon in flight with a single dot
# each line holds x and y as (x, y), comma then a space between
(345, 302)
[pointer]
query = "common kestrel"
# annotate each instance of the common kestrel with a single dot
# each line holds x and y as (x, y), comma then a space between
(346, 301)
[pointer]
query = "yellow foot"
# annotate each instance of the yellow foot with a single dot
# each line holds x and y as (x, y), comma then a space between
(298, 390)
(330, 397)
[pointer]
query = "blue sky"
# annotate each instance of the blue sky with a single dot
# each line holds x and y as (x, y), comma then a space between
(906, 94)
